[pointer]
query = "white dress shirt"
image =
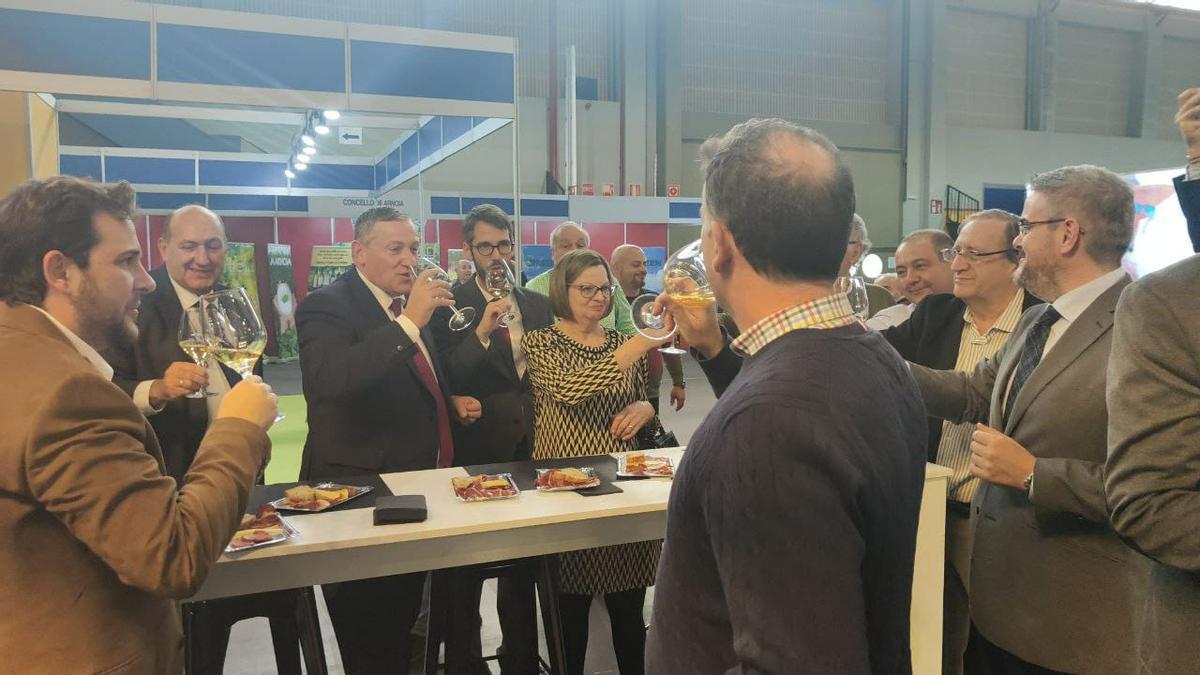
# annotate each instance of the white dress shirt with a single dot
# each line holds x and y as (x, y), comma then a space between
(406, 324)
(85, 350)
(217, 382)
(1073, 303)
(516, 331)
(891, 316)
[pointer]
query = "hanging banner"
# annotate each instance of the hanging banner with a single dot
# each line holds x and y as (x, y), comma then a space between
(433, 251)
(655, 257)
(240, 271)
(351, 207)
(328, 263)
(279, 270)
(535, 259)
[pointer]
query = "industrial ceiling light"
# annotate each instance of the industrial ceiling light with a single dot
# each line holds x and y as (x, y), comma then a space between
(331, 115)
(300, 166)
(302, 158)
(288, 173)
(307, 140)
(321, 129)
(309, 150)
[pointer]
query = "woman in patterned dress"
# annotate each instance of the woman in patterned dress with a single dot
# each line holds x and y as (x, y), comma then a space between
(589, 386)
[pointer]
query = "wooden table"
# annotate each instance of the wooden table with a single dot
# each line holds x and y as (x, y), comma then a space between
(345, 545)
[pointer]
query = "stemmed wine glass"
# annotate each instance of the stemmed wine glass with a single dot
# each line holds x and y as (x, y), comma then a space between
(462, 317)
(194, 342)
(500, 284)
(855, 289)
(685, 280)
(235, 331)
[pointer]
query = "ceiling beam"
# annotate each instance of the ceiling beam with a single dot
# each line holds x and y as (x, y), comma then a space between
(295, 119)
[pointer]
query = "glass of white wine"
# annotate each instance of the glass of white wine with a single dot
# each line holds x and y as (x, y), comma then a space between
(500, 284)
(685, 280)
(855, 289)
(236, 334)
(462, 318)
(194, 342)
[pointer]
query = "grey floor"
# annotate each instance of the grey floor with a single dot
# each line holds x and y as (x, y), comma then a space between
(250, 651)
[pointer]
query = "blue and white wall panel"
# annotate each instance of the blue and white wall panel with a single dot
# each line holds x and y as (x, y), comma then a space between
(159, 52)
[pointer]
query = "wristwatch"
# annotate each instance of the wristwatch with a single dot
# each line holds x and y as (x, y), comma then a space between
(681, 385)
(1028, 483)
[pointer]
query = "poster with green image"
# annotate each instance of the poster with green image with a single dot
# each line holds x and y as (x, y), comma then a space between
(240, 271)
(283, 301)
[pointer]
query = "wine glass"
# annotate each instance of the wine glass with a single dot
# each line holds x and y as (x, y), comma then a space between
(685, 280)
(194, 343)
(855, 289)
(500, 283)
(462, 317)
(236, 335)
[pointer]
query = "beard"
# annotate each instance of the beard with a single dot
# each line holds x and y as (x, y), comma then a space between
(1043, 283)
(107, 327)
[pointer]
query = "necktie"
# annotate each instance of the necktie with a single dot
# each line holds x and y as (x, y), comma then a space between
(445, 439)
(1031, 355)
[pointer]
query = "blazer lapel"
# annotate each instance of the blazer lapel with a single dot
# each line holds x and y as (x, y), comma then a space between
(1095, 321)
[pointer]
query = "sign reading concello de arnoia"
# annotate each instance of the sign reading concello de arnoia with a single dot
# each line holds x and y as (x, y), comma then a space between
(351, 207)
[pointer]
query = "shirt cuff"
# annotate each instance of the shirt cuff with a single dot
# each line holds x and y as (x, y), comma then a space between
(141, 398)
(409, 328)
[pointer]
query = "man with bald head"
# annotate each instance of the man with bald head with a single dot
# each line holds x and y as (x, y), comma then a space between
(154, 370)
(629, 267)
(570, 236)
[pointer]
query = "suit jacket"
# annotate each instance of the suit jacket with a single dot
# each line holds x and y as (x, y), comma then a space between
(1049, 576)
(931, 337)
(181, 424)
(368, 409)
(1188, 192)
(1153, 469)
(504, 433)
(95, 541)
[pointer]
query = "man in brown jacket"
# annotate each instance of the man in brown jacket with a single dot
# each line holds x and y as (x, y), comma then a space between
(95, 541)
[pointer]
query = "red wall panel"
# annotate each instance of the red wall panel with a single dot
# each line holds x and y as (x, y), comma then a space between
(139, 228)
(156, 228)
(450, 233)
(646, 234)
(343, 230)
(302, 234)
(605, 237)
(529, 232)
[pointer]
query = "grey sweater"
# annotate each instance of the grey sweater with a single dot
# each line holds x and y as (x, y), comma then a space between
(792, 522)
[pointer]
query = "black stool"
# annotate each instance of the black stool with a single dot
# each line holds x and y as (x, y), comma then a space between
(544, 574)
(293, 617)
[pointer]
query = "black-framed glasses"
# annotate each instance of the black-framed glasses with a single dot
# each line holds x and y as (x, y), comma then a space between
(487, 247)
(588, 291)
(1023, 225)
(949, 254)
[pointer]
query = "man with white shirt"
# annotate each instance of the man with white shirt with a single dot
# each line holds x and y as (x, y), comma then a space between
(378, 402)
(920, 272)
(97, 541)
(155, 371)
(1049, 578)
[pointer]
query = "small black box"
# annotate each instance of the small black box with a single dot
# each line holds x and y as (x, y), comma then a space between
(400, 509)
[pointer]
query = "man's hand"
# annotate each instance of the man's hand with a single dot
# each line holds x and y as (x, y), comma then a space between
(678, 396)
(631, 419)
(467, 409)
(180, 379)
(427, 294)
(1188, 120)
(251, 400)
(492, 313)
(698, 326)
(999, 459)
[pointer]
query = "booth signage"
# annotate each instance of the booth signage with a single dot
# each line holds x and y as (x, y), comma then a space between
(350, 207)
(609, 190)
(349, 135)
(935, 206)
(672, 190)
(588, 189)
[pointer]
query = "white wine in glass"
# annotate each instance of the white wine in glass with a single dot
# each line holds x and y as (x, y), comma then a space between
(685, 280)
(462, 318)
(500, 284)
(194, 343)
(236, 333)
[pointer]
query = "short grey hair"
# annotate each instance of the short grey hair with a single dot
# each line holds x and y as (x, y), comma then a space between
(1012, 227)
(366, 222)
(1100, 199)
(858, 228)
(939, 239)
(564, 225)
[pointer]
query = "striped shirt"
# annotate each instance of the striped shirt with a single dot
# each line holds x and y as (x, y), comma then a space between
(831, 311)
(954, 450)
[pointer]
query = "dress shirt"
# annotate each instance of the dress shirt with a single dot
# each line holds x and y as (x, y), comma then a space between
(1073, 303)
(830, 311)
(516, 331)
(217, 383)
(891, 316)
(406, 324)
(85, 350)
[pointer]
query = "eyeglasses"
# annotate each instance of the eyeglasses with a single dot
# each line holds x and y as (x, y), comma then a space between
(949, 254)
(1023, 226)
(589, 290)
(487, 248)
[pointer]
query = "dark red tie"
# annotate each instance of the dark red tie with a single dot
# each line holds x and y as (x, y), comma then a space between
(445, 439)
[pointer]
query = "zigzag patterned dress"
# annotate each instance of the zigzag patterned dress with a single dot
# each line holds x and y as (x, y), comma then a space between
(577, 391)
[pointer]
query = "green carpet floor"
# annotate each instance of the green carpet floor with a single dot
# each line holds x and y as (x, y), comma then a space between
(287, 441)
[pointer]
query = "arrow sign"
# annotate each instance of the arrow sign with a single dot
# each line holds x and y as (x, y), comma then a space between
(350, 135)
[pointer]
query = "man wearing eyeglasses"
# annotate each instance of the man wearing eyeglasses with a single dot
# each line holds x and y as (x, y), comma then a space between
(955, 332)
(1049, 579)
(486, 361)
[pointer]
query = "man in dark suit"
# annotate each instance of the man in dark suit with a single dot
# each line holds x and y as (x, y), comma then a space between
(955, 332)
(920, 272)
(155, 371)
(1049, 581)
(486, 362)
(377, 403)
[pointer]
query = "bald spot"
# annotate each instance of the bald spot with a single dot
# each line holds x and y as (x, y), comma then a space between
(625, 253)
(190, 214)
